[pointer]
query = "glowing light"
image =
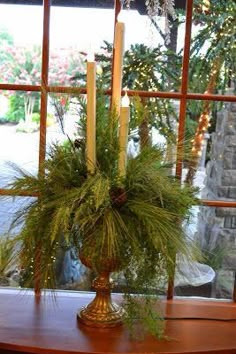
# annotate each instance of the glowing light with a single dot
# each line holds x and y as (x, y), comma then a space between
(125, 100)
(90, 57)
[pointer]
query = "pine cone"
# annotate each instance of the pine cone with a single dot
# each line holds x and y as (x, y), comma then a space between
(118, 197)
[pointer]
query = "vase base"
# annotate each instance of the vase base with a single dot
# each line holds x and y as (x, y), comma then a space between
(102, 320)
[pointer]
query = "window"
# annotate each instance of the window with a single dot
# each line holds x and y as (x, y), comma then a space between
(192, 105)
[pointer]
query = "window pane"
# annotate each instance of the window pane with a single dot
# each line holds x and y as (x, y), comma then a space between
(8, 209)
(83, 31)
(212, 61)
(211, 127)
(20, 48)
(11, 272)
(19, 132)
(214, 231)
(63, 118)
(152, 59)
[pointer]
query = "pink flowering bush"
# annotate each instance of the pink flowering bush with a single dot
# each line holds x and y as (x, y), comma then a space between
(22, 65)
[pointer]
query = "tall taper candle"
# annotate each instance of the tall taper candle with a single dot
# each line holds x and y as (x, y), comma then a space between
(118, 65)
(91, 114)
(123, 135)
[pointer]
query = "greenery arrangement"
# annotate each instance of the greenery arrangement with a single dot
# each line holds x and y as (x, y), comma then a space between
(137, 219)
(7, 258)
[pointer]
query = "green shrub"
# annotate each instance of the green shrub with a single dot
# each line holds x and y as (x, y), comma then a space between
(36, 117)
(16, 110)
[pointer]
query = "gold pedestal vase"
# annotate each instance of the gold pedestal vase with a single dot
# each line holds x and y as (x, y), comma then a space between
(102, 311)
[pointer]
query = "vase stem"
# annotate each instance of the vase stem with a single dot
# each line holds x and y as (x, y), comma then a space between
(102, 312)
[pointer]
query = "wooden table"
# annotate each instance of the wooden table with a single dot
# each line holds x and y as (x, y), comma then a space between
(52, 327)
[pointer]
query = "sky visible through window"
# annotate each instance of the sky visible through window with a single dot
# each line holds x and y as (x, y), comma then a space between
(79, 27)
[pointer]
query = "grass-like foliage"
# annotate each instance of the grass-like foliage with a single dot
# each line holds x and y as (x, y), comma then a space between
(7, 255)
(136, 220)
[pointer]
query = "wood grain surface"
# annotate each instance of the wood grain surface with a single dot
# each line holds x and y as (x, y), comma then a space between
(51, 326)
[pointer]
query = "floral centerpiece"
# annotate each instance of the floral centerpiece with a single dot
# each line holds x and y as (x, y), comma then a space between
(124, 214)
(132, 224)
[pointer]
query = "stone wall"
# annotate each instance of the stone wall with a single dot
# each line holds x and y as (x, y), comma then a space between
(217, 226)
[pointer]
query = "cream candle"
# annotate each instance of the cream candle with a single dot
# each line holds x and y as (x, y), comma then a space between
(118, 65)
(91, 114)
(123, 135)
